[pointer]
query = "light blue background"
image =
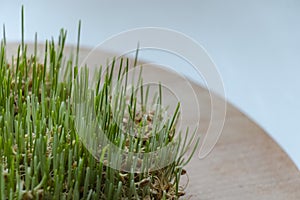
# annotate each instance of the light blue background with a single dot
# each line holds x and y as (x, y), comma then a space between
(255, 45)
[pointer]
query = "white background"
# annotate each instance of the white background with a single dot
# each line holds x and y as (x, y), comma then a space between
(255, 45)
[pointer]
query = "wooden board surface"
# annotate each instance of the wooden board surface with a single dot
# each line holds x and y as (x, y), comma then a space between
(245, 163)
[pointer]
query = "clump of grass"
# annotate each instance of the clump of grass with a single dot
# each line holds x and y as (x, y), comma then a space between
(43, 152)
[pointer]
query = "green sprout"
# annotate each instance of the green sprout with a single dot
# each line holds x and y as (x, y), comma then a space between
(42, 153)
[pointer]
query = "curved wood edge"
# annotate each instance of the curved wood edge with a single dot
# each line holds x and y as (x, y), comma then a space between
(245, 163)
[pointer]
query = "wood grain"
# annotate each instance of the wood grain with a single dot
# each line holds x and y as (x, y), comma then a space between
(245, 164)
